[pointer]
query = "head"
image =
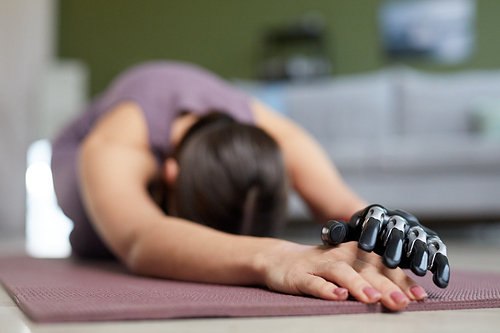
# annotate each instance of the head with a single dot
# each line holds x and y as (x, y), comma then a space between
(231, 177)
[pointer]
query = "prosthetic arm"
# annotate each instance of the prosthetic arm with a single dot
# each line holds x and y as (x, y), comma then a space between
(395, 235)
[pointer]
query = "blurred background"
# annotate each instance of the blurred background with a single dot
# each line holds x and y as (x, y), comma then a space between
(404, 95)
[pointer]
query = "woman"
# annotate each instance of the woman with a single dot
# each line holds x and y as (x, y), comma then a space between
(176, 190)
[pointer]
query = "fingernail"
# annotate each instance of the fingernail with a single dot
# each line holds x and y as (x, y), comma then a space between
(399, 298)
(418, 292)
(340, 292)
(372, 293)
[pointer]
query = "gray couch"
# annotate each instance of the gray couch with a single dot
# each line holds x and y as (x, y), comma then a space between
(425, 143)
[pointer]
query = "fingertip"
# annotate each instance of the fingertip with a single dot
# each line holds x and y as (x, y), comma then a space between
(419, 258)
(341, 293)
(441, 271)
(394, 248)
(372, 294)
(418, 293)
(368, 238)
(320, 288)
(396, 301)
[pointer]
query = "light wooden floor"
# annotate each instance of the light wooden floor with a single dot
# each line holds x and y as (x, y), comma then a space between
(480, 251)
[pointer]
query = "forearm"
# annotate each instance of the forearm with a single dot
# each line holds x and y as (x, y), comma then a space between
(316, 178)
(311, 171)
(182, 250)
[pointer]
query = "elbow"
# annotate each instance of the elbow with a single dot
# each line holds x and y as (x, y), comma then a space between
(134, 260)
(139, 259)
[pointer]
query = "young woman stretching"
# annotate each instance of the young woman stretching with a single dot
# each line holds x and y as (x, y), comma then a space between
(181, 176)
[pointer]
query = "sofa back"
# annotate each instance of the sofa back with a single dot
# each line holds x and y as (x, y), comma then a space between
(435, 104)
(355, 107)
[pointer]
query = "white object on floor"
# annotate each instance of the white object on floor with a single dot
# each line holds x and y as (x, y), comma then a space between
(47, 228)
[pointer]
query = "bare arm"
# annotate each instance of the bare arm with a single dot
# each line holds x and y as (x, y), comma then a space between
(312, 173)
(115, 168)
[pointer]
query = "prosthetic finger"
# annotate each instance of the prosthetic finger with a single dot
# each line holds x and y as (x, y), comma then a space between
(438, 262)
(336, 232)
(394, 235)
(417, 250)
(372, 225)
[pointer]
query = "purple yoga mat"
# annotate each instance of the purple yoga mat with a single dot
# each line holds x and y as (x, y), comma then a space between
(65, 290)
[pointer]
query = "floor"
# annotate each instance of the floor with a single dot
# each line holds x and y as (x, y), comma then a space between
(473, 248)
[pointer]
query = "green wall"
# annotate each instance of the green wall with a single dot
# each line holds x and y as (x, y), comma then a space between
(225, 35)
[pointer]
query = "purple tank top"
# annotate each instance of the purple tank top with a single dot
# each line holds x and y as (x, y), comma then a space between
(164, 90)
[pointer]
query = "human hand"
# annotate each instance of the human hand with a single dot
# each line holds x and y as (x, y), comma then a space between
(390, 234)
(332, 273)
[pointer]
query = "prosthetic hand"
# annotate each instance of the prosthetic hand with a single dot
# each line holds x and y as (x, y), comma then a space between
(392, 233)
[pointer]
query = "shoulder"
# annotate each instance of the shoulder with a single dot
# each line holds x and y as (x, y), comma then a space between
(124, 124)
(275, 124)
(119, 140)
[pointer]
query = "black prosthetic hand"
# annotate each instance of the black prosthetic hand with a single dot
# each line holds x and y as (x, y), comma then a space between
(395, 235)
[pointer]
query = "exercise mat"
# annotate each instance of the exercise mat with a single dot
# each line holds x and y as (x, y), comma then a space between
(69, 290)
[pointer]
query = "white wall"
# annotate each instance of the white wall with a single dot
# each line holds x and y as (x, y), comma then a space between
(27, 45)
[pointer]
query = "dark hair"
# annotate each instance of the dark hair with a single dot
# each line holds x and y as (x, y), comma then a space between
(231, 177)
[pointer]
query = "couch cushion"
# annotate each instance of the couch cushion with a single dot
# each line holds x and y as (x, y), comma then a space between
(439, 154)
